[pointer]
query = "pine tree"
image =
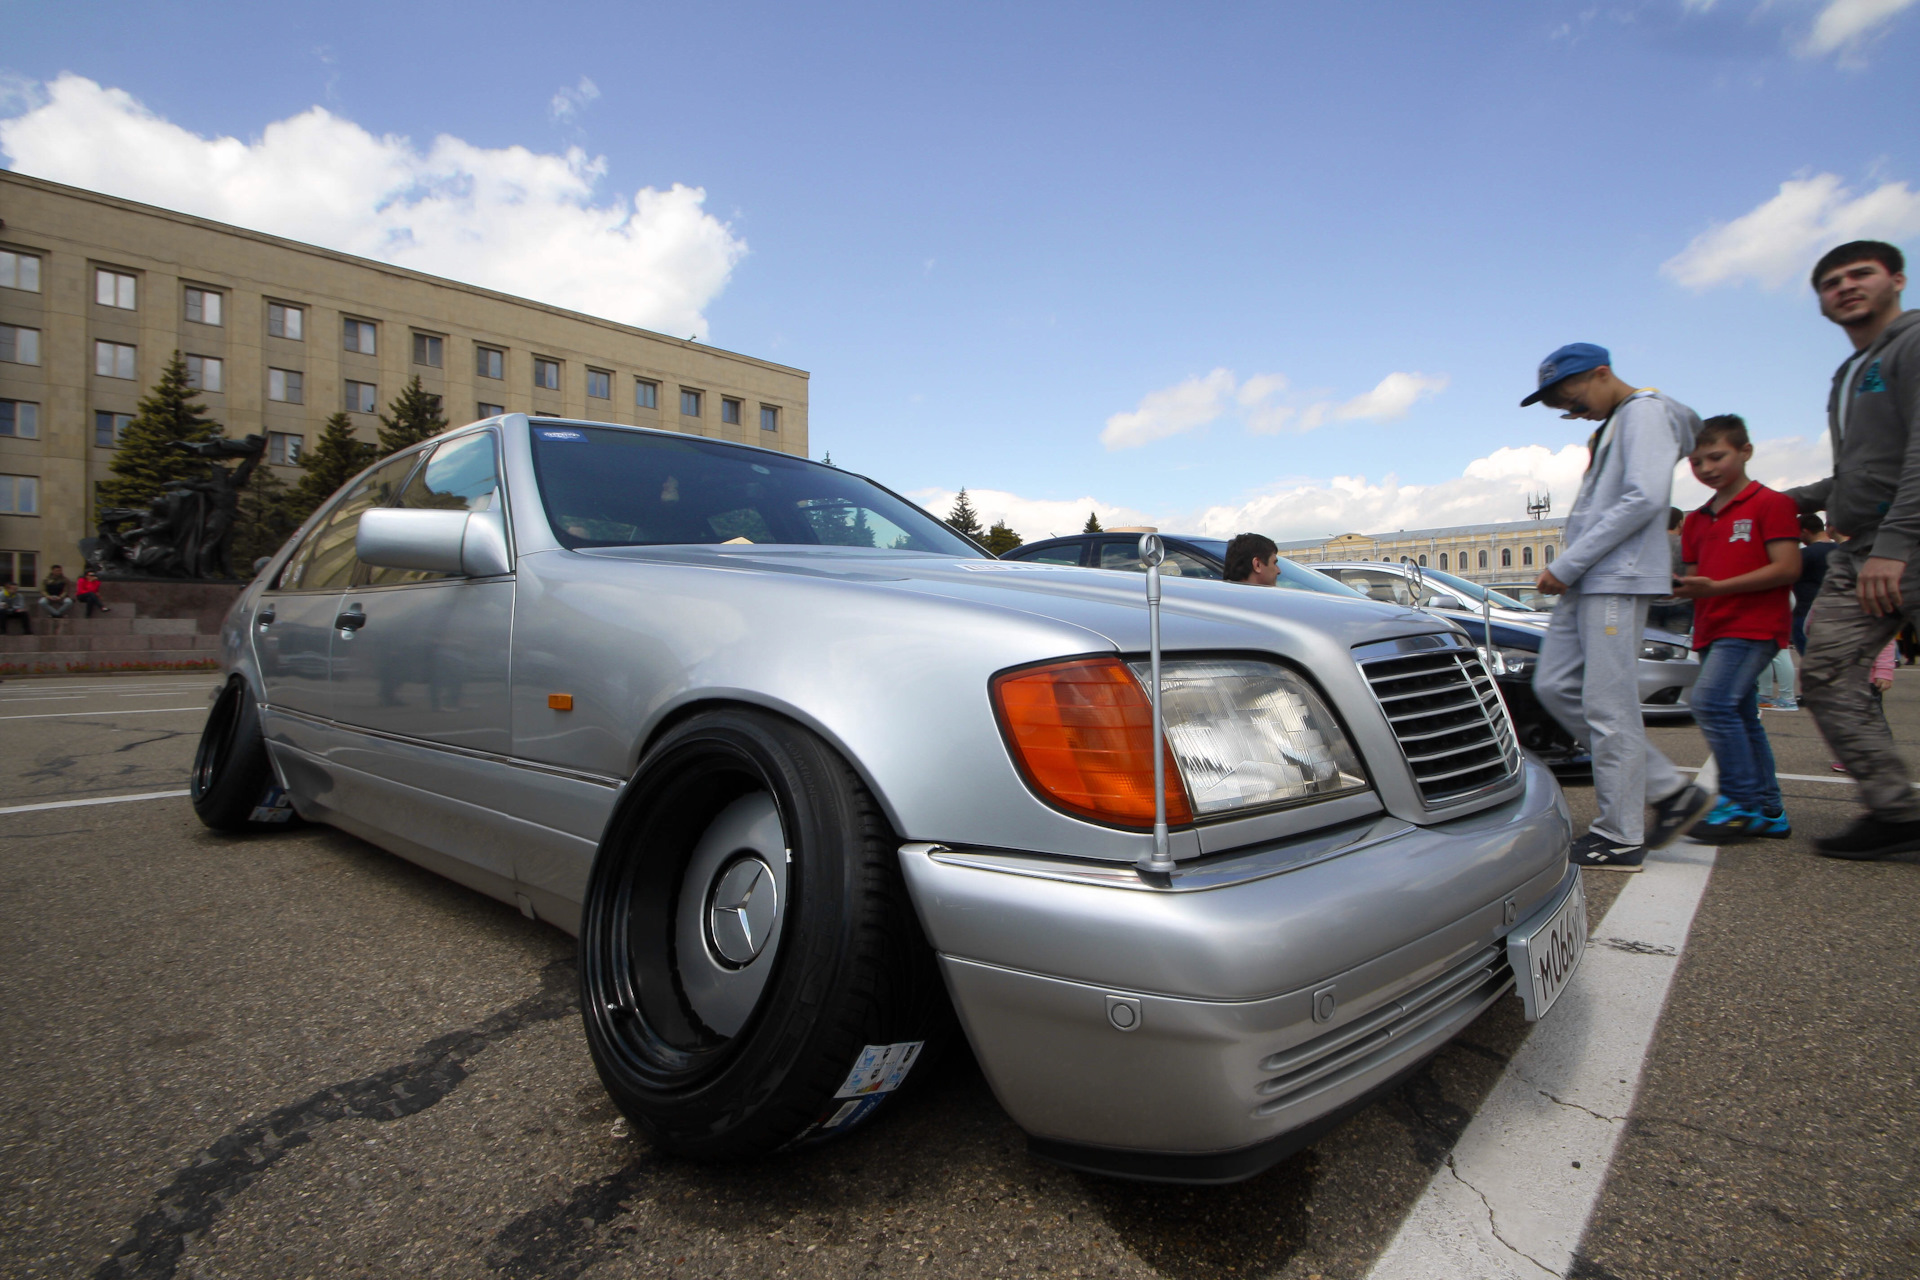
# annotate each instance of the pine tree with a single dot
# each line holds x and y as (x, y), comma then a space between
(146, 461)
(336, 457)
(1001, 539)
(267, 517)
(964, 520)
(416, 417)
(1093, 524)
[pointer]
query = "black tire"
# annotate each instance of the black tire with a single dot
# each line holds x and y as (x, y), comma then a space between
(230, 769)
(851, 968)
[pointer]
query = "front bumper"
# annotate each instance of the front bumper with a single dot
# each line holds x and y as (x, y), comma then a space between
(1203, 1029)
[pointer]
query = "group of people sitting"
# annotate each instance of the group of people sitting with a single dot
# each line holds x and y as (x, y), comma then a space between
(58, 595)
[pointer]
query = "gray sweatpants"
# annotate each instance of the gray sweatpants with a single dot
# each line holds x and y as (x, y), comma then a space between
(1589, 680)
(1842, 641)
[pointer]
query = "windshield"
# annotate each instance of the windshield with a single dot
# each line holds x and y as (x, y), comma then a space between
(1476, 593)
(1297, 576)
(604, 487)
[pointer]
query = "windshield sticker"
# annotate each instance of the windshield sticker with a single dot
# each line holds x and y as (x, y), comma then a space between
(880, 1068)
(1010, 566)
(560, 433)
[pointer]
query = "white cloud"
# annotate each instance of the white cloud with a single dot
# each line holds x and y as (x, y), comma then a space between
(506, 218)
(1843, 25)
(568, 103)
(1779, 241)
(1032, 518)
(1170, 411)
(1189, 405)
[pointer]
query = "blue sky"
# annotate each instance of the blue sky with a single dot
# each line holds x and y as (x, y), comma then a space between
(1188, 263)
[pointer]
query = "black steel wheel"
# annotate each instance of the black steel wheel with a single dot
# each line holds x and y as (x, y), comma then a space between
(231, 772)
(747, 942)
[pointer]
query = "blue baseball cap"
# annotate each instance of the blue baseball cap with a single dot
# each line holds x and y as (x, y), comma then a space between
(1575, 357)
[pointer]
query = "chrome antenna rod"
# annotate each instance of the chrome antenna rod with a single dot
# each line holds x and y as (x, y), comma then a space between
(1152, 554)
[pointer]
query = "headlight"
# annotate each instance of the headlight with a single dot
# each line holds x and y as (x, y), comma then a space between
(1241, 734)
(1661, 652)
(1504, 660)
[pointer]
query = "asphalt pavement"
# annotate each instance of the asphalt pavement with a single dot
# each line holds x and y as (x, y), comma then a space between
(292, 1054)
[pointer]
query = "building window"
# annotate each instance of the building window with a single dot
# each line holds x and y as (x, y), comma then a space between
(22, 567)
(1443, 560)
(19, 495)
(546, 374)
(286, 386)
(1506, 557)
(1526, 556)
(599, 384)
(284, 448)
(21, 346)
(19, 271)
(284, 321)
(361, 397)
(1483, 559)
(204, 373)
(1423, 562)
(428, 350)
(20, 419)
(491, 410)
(1549, 555)
(113, 359)
(730, 411)
(113, 289)
(358, 335)
(689, 403)
(203, 306)
(489, 363)
(646, 395)
(769, 417)
(109, 427)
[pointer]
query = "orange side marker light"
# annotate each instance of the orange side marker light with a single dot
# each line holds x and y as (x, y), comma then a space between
(560, 701)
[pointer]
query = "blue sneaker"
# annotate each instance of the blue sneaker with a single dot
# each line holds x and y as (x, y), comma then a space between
(1727, 821)
(1775, 827)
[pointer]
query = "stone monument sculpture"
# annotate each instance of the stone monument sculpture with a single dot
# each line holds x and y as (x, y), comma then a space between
(187, 530)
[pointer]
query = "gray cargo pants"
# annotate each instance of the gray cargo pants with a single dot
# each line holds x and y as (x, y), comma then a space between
(1842, 641)
(1589, 680)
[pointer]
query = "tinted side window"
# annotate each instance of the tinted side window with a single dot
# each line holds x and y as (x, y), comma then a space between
(1065, 553)
(460, 475)
(1388, 588)
(1178, 564)
(326, 561)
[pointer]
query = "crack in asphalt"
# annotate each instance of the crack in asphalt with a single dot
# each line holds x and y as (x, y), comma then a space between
(1639, 948)
(1494, 1226)
(1574, 1106)
(188, 1204)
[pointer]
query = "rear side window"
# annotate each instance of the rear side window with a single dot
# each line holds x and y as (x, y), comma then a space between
(1067, 553)
(460, 475)
(1178, 564)
(326, 561)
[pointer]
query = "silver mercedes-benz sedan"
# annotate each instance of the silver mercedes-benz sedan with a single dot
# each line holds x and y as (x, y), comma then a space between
(807, 774)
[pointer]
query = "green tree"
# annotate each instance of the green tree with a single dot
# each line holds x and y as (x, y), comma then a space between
(1001, 539)
(336, 457)
(416, 417)
(146, 461)
(964, 520)
(266, 518)
(1093, 524)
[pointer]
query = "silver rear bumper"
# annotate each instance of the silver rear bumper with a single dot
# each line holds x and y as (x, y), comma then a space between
(1201, 1030)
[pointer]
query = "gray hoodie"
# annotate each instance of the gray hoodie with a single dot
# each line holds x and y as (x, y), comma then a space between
(1873, 495)
(1617, 531)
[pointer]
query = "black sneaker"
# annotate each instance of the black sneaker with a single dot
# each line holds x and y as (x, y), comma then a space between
(1870, 838)
(1672, 816)
(1596, 851)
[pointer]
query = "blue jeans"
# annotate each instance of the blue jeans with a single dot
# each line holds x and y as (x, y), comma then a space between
(1726, 706)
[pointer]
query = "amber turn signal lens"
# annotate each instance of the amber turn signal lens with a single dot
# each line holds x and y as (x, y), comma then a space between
(560, 702)
(1083, 732)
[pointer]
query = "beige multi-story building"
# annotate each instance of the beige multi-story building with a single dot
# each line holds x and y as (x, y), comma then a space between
(1491, 553)
(97, 293)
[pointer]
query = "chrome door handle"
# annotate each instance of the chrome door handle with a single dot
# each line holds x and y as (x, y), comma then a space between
(264, 618)
(351, 619)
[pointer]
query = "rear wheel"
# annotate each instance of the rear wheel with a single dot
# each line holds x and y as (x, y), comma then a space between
(231, 773)
(747, 946)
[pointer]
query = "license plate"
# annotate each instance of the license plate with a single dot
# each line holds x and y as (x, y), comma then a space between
(1545, 952)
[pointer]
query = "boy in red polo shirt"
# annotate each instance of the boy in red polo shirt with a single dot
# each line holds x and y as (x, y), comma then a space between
(1742, 554)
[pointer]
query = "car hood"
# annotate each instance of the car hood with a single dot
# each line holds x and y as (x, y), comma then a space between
(1195, 612)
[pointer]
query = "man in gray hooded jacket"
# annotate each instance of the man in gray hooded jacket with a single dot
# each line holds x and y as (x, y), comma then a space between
(1872, 500)
(1615, 562)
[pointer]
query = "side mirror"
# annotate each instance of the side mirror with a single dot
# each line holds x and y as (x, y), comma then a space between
(469, 543)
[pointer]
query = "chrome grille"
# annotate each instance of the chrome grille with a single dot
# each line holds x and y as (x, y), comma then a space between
(1324, 1063)
(1448, 715)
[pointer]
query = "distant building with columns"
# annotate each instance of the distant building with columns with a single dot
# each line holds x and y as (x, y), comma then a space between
(1514, 551)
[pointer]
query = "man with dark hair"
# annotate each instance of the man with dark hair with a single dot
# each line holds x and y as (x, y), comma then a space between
(1872, 500)
(1253, 558)
(1616, 561)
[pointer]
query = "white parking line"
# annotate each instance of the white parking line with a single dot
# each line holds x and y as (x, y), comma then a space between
(124, 711)
(76, 804)
(1796, 777)
(1514, 1197)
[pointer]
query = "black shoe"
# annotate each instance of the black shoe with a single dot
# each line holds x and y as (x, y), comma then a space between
(1672, 816)
(1870, 838)
(1596, 851)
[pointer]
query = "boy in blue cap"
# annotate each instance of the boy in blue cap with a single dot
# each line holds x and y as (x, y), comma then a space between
(1615, 562)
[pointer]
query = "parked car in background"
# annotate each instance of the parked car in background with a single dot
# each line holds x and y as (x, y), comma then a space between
(805, 771)
(1187, 557)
